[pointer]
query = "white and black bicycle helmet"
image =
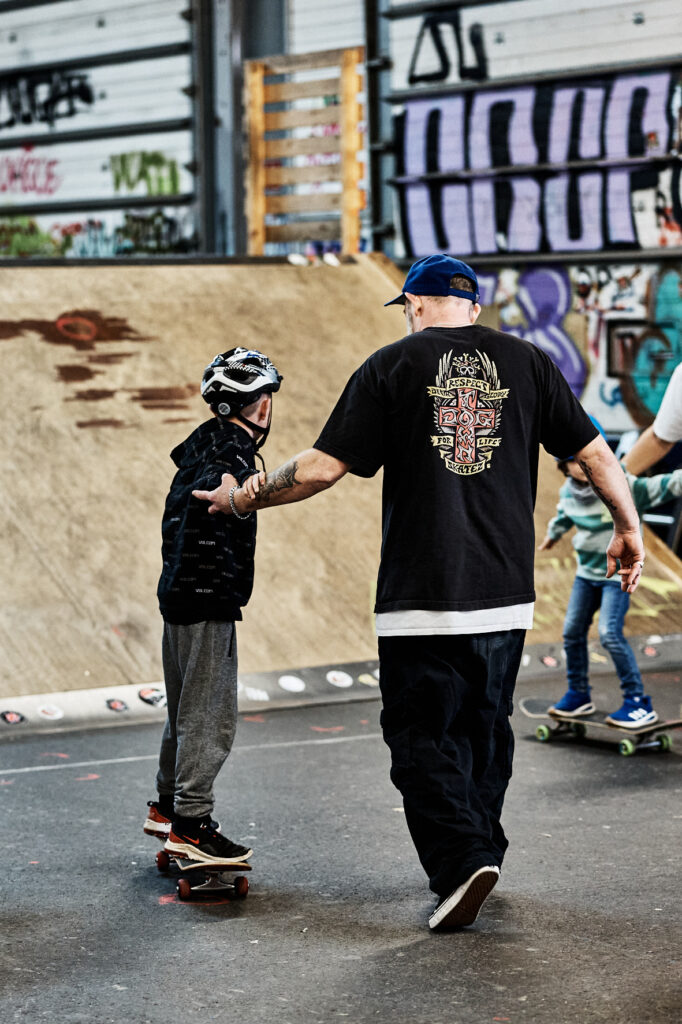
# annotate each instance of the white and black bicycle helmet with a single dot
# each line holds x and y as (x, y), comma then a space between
(236, 379)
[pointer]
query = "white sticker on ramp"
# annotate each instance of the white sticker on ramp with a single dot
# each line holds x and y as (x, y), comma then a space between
(340, 679)
(292, 684)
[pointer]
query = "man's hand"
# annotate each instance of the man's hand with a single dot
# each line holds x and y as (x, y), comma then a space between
(252, 486)
(627, 548)
(547, 543)
(220, 497)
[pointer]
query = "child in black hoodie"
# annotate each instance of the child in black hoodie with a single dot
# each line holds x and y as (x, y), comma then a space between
(206, 580)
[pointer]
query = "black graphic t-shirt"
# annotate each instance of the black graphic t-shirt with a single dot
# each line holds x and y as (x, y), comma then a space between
(455, 417)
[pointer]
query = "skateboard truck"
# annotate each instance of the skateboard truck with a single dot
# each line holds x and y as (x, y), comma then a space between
(206, 878)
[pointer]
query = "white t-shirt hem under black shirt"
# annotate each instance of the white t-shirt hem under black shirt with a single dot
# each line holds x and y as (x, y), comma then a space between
(418, 622)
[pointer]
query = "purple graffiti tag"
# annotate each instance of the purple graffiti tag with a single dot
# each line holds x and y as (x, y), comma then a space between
(487, 286)
(544, 296)
(419, 220)
(582, 193)
(455, 200)
(500, 172)
(565, 111)
(501, 129)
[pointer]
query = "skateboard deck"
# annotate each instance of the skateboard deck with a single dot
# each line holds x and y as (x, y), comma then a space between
(648, 737)
(201, 878)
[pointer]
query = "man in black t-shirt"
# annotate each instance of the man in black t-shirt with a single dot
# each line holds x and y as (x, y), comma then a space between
(454, 413)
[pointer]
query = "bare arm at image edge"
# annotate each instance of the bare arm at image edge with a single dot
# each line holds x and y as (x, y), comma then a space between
(610, 484)
(647, 450)
(302, 476)
(665, 431)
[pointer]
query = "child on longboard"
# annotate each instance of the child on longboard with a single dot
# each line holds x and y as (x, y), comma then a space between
(207, 578)
(579, 506)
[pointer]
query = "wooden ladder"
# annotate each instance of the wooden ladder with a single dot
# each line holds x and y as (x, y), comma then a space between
(295, 149)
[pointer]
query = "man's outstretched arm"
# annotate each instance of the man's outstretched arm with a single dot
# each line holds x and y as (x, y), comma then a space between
(609, 483)
(299, 478)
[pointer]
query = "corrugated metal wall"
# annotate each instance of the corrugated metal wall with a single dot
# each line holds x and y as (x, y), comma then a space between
(324, 24)
(94, 121)
(543, 141)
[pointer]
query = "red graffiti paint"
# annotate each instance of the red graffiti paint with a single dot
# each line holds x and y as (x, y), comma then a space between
(77, 328)
(254, 718)
(81, 329)
(25, 173)
(331, 728)
(87, 778)
(50, 753)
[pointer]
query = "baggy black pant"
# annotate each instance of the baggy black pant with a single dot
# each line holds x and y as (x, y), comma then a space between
(447, 701)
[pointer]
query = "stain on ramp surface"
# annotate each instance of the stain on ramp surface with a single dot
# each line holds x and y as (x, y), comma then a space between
(100, 381)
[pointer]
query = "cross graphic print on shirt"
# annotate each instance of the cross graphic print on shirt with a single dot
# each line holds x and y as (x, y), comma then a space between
(467, 412)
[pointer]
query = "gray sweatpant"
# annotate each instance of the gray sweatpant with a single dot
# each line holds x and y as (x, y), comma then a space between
(200, 671)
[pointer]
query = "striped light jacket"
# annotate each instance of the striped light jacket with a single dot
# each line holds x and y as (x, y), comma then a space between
(579, 506)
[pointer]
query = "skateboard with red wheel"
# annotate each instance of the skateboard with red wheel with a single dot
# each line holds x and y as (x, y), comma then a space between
(201, 879)
(630, 741)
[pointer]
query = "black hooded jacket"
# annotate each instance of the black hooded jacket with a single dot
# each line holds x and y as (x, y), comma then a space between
(207, 559)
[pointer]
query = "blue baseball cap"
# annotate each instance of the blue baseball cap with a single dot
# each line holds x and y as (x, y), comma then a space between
(432, 275)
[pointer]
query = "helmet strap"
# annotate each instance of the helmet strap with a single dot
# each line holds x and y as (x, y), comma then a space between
(262, 431)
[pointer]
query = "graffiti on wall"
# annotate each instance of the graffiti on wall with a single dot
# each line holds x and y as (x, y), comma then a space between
(432, 60)
(43, 97)
(577, 166)
(615, 332)
(155, 170)
(28, 173)
(121, 234)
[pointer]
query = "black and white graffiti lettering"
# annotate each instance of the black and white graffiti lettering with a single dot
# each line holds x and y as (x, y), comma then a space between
(555, 168)
(439, 29)
(43, 97)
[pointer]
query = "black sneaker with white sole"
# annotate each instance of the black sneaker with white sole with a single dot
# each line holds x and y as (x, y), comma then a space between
(197, 839)
(461, 907)
(159, 817)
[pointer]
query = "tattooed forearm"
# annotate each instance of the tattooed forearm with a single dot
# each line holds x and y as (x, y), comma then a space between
(281, 479)
(611, 505)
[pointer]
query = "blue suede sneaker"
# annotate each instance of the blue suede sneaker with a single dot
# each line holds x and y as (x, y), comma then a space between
(635, 712)
(573, 704)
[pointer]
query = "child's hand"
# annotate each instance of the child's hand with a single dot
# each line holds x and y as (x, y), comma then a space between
(252, 485)
(547, 543)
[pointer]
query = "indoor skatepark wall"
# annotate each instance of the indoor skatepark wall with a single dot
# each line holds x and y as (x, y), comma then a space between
(100, 381)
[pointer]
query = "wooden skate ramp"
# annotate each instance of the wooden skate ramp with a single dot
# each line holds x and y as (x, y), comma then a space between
(100, 381)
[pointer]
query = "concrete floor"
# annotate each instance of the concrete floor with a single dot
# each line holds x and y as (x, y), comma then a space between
(584, 926)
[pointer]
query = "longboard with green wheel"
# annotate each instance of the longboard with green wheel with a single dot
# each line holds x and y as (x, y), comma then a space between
(630, 741)
(201, 879)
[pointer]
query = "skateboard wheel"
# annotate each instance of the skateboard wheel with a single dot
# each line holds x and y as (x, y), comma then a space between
(664, 743)
(184, 889)
(543, 733)
(580, 730)
(162, 860)
(626, 747)
(241, 886)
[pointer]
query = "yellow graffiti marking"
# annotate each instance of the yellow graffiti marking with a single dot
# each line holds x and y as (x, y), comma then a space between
(662, 588)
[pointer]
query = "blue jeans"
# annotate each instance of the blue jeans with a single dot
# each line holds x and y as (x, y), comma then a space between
(586, 597)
